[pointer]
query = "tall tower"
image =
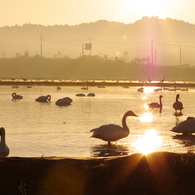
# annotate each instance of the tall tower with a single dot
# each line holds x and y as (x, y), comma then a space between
(41, 41)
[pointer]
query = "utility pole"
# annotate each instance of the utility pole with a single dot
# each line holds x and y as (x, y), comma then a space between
(152, 63)
(180, 56)
(90, 45)
(41, 41)
(152, 53)
(83, 47)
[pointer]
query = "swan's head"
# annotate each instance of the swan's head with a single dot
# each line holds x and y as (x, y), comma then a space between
(177, 96)
(130, 113)
(49, 97)
(13, 94)
(190, 117)
(2, 131)
(160, 96)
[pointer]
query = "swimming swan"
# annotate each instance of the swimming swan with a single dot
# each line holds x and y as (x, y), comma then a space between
(63, 101)
(91, 94)
(80, 94)
(4, 150)
(185, 127)
(44, 98)
(15, 96)
(112, 132)
(156, 105)
(178, 105)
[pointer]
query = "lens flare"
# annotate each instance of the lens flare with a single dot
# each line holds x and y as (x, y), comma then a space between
(124, 37)
(149, 142)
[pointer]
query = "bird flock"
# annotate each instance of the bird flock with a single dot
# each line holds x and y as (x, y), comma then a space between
(111, 132)
(4, 149)
(47, 98)
(186, 127)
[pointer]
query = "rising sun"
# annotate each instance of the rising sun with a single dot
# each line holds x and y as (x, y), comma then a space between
(147, 8)
(152, 8)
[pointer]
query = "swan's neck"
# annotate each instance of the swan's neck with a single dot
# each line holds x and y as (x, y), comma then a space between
(160, 99)
(2, 139)
(177, 99)
(124, 124)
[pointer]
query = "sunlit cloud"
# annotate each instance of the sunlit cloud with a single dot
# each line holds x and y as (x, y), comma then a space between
(149, 142)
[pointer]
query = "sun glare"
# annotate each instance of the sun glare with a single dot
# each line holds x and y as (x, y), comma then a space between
(146, 106)
(149, 142)
(144, 97)
(152, 8)
(146, 117)
(148, 89)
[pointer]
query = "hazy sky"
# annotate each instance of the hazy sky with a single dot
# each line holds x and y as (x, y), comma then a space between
(73, 12)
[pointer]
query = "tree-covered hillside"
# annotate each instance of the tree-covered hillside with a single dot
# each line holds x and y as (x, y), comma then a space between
(167, 41)
(90, 68)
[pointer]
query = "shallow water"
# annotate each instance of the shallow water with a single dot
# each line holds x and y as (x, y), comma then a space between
(44, 129)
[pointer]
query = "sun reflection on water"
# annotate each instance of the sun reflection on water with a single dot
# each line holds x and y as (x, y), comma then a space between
(146, 106)
(144, 97)
(149, 142)
(149, 89)
(146, 117)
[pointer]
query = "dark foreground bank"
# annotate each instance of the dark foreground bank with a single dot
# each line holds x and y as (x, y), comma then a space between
(157, 173)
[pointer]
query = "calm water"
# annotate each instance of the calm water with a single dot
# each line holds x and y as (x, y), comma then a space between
(44, 129)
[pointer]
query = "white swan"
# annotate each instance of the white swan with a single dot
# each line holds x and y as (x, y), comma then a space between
(178, 105)
(112, 132)
(4, 150)
(185, 127)
(154, 105)
(43, 98)
(63, 101)
(15, 96)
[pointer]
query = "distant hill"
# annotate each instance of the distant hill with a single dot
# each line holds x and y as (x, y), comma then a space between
(173, 40)
(119, 51)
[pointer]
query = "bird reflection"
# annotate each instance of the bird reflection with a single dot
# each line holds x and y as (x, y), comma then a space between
(177, 120)
(178, 114)
(186, 140)
(109, 150)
